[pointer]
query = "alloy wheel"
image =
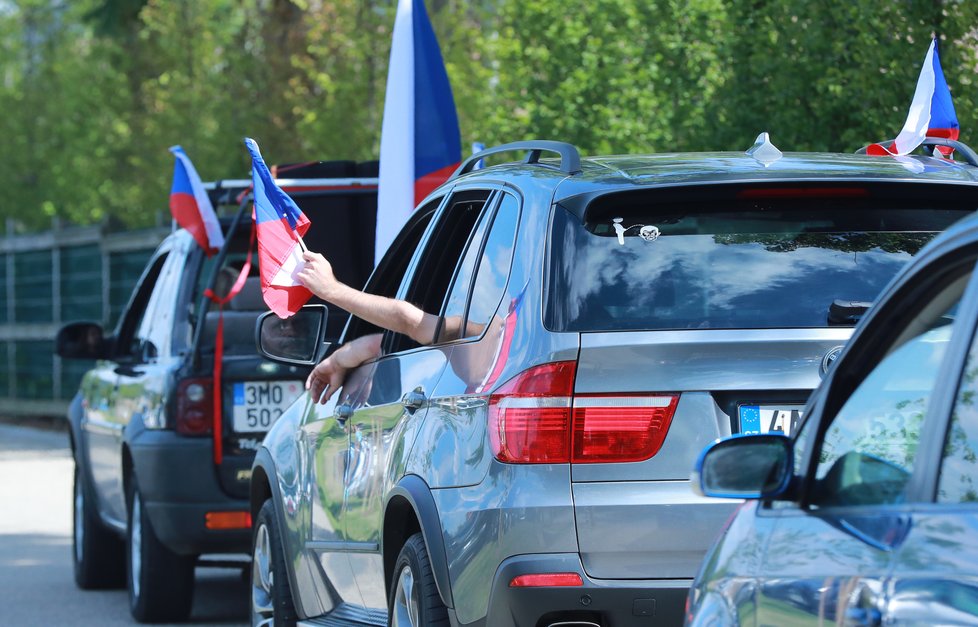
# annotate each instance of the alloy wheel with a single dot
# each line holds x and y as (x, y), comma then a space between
(406, 611)
(135, 544)
(262, 580)
(79, 520)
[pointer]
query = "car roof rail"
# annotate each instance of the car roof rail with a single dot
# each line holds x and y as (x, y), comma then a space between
(968, 153)
(570, 158)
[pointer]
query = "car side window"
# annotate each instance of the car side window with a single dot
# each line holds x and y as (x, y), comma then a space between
(131, 333)
(494, 266)
(390, 271)
(450, 326)
(441, 257)
(868, 450)
(959, 463)
(155, 331)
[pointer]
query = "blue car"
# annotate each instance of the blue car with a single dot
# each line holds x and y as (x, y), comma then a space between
(868, 513)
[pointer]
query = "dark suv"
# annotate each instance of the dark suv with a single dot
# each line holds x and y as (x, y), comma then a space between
(618, 314)
(161, 476)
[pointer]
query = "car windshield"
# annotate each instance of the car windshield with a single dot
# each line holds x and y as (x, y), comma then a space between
(739, 266)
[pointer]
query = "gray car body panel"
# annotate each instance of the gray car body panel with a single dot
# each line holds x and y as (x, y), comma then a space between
(625, 526)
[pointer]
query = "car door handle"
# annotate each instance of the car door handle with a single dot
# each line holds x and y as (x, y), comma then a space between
(868, 616)
(343, 413)
(414, 399)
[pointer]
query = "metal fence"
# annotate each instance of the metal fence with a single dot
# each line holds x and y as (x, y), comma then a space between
(48, 279)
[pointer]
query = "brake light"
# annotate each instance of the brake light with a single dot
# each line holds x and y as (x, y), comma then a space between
(195, 406)
(621, 428)
(530, 415)
(535, 418)
(547, 580)
(803, 192)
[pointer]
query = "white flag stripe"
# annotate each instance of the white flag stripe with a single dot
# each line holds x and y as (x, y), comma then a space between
(395, 194)
(288, 273)
(918, 118)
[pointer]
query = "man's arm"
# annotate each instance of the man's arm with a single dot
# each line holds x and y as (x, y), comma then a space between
(396, 315)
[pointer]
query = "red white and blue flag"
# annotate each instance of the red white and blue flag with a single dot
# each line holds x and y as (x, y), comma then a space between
(931, 111)
(280, 225)
(420, 144)
(190, 205)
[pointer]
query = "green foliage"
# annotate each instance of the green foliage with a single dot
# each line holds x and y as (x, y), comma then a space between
(95, 91)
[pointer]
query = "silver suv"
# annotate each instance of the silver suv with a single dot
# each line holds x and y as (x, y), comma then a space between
(620, 314)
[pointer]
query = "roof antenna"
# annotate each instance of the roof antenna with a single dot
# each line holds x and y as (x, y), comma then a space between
(763, 151)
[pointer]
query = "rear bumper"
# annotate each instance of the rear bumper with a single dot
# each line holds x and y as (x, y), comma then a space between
(621, 603)
(179, 486)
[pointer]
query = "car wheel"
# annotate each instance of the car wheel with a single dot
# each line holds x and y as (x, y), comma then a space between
(271, 596)
(161, 582)
(414, 599)
(97, 553)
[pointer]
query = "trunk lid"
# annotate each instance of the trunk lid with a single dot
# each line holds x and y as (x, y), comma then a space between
(641, 519)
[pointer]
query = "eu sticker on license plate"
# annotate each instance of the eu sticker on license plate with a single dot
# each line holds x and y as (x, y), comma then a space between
(756, 419)
(258, 404)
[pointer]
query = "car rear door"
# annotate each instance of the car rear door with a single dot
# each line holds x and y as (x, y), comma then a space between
(326, 436)
(385, 421)
(828, 558)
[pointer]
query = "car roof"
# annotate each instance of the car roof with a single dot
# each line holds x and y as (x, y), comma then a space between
(605, 174)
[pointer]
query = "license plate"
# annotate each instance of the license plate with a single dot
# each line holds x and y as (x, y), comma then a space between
(769, 418)
(258, 404)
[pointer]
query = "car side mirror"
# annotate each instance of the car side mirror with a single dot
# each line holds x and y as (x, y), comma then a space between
(298, 339)
(745, 467)
(81, 340)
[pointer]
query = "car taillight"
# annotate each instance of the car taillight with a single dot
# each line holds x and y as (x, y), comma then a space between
(621, 428)
(530, 415)
(535, 418)
(194, 406)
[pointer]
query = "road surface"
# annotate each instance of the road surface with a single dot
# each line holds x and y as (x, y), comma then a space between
(35, 547)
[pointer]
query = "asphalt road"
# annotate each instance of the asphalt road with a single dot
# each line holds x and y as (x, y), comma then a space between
(36, 582)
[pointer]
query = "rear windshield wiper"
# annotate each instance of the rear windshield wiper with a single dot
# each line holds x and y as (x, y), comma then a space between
(847, 312)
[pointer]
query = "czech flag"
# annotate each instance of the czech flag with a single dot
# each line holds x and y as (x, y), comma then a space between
(280, 225)
(931, 111)
(190, 205)
(420, 144)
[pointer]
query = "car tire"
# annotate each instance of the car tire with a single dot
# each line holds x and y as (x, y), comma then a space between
(98, 554)
(414, 598)
(271, 594)
(161, 582)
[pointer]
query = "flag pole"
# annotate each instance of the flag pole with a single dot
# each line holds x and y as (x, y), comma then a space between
(302, 244)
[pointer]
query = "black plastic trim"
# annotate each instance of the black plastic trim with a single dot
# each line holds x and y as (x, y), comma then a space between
(418, 494)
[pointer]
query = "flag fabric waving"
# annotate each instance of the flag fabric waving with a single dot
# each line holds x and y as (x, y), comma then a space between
(190, 205)
(931, 111)
(420, 144)
(280, 225)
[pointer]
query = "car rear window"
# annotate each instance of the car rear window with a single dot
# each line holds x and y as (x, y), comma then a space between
(730, 264)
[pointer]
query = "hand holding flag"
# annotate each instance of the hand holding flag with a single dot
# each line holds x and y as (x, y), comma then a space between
(190, 205)
(280, 225)
(931, 111)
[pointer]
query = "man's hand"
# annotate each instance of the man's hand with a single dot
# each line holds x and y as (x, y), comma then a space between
(317, 275)
(326, 377)
(330, 374)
